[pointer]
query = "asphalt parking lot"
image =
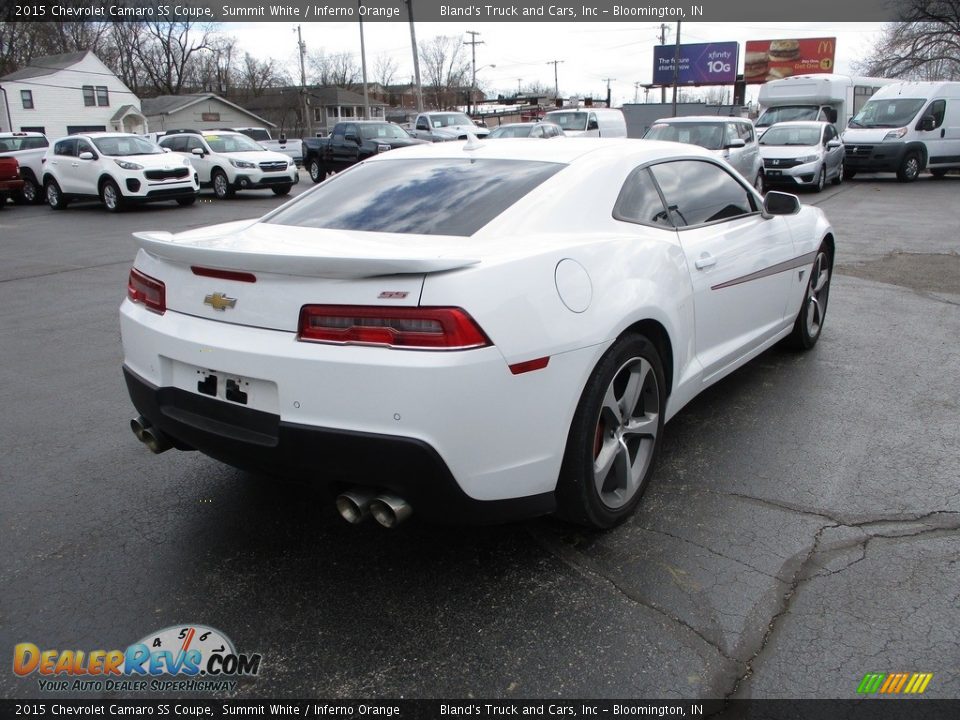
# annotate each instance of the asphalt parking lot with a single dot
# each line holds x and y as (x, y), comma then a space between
(802, 529)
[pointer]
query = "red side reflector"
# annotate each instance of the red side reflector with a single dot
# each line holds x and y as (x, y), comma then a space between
(147, 291)
(527, 366)
(224, 274)
(426, 328)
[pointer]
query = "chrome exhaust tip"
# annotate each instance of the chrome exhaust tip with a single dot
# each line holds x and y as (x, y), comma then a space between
(139, 426)
(390, 510)
(354, 505)
(156, 441)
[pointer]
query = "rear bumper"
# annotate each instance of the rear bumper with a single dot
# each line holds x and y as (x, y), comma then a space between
(263, 442)
(11, 185)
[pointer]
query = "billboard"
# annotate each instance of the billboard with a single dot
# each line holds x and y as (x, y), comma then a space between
(774, 59)
(700, 64)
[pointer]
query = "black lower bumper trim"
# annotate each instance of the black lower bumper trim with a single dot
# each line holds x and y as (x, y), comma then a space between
(262, 442)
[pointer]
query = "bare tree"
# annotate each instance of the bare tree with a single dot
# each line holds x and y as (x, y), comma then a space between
(21, 42)
(258, 75)
(385, 70)
(337, 69)
(445, 68)
(925, 46)
(170, 50)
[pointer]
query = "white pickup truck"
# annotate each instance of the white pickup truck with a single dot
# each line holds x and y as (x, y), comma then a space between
(28, 148)
(293, 148)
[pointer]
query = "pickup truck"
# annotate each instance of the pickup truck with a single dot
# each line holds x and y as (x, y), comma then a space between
(444, 126)
(293, 148)
(10, 181)
(28, 148)
(351, 142)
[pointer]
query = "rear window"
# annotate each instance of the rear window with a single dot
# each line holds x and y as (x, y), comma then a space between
(448, 196)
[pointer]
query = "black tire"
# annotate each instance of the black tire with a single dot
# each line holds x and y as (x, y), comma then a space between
(221, 185)
(54, 195)
(821, 179)
(838, 180)
(808, 326)
(281, 189)
(3, 201)
(849, 174)
(910, 168)
(598, 429)
(186, 201)
(939, 173)
(111, 197)
(31, 193)
(317, 171)
(760, 185)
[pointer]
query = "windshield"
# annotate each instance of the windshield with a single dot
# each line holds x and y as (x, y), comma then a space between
(569, 120)
(787, 113)
(449, 119)
(126, 145)
(515, 131)
(892, 113)
(11, 144)
(708, 135)
(780, 135)
(232, 143)
(444, 196)
(374, 131)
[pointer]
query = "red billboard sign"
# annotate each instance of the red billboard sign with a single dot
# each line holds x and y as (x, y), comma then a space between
(774, 59)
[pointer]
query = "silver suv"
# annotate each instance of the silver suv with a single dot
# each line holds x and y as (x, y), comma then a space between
(733, 139)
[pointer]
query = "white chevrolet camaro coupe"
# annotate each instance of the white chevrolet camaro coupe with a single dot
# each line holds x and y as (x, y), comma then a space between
(475, 331)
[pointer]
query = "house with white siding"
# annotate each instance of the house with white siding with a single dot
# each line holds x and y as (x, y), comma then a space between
(198, 111)
(74, 92)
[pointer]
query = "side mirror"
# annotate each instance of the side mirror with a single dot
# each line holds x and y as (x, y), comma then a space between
(781, 203)
(198, 151)
(592, 125)
(166, 150)
(928, 122)
(736, 143)
(283, 138)
(86, 156)
(350, 137)
(833, 144)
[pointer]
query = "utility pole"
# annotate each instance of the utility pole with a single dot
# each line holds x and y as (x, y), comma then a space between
(363, 65)
(663, 41)
(304, 105)
(676, 70)
(556, 83)
(607, 81)
(473, 42)
(519, 80)
(636, 91)
(416, 59)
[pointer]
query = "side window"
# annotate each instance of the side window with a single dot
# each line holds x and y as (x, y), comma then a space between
(194, 142)
(83, 146)
(639, 201)
(536, 132)
(338, 131)
(729, 133)
(66, 147)
(699, 192)
(938, 109)
(746, 132)
(350, 130)
(829, 134)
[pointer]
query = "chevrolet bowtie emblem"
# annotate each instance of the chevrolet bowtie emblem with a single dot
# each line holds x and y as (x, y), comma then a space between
(219, 301)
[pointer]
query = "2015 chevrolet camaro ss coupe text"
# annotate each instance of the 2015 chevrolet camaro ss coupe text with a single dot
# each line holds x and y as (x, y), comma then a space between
(471, 331)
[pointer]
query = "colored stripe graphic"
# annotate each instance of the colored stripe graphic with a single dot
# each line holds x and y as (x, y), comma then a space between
(894, 683)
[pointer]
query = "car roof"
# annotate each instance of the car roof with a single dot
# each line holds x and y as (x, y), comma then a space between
(702, 118)
(574, 150)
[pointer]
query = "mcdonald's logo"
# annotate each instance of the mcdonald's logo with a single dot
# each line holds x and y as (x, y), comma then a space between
(825, 46)
(894, 683)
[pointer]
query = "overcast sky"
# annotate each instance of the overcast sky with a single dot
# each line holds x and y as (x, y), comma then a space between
(521, 50)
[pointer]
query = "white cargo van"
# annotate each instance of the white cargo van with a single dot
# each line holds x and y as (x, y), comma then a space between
(905, 128)
(823, 97)
(589, 122)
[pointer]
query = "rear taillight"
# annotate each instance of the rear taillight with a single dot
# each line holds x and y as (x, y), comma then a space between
(426, 328)
(147, 291)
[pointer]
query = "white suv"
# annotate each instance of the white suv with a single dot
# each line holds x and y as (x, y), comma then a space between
(230, 161)
(117, 168)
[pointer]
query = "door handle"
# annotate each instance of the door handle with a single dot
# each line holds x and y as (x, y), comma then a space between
(943, 131)
(704, 261)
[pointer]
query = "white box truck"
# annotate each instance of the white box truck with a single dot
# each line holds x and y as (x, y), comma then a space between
(825, 97)
(905, 128)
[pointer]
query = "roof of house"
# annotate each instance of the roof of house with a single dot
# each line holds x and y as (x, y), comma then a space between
(168, 104)
(123, 110)
(46, 65)
(323, 96)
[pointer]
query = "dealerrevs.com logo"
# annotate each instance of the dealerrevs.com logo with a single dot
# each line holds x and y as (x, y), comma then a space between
(181, 658)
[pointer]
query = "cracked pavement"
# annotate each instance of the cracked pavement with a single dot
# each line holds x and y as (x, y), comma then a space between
(802, 528)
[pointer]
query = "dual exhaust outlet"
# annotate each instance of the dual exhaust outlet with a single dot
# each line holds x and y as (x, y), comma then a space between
(155, 440)
(354, 505)
(357, 504)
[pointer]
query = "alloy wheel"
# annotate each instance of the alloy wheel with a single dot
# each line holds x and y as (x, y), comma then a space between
(817, 292)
